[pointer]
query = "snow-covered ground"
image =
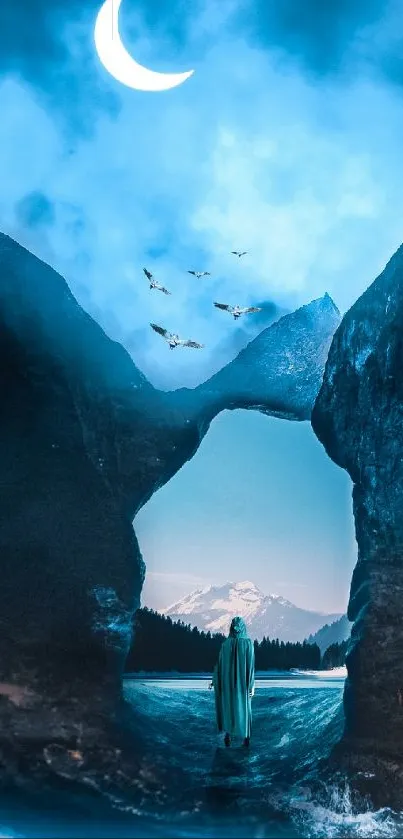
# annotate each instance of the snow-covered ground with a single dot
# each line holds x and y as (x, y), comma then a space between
(336, 672)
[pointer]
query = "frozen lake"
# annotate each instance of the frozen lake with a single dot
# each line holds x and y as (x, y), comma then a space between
(237, 792)
(272, 680)
(180, 781)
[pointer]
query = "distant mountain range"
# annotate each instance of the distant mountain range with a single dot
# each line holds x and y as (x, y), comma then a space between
(212, 608)
(334, 633)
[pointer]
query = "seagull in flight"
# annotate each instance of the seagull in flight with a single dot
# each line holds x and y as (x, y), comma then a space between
(239, 253)
(154, 283)
(237, 311)
(199, 274)
(174, 340)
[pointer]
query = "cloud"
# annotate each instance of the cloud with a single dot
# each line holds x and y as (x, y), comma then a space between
(35, 209)
(285, 142)
(324, 38)
(248, 153)
(48, 46)
(320, 34)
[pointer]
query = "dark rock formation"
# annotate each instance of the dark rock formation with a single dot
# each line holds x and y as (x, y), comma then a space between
(358, 416)
(280, 371)
(85, 441)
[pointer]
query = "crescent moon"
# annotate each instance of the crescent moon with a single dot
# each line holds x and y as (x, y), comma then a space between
(119, 63)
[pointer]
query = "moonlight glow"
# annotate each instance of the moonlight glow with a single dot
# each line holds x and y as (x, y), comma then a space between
(117, 60)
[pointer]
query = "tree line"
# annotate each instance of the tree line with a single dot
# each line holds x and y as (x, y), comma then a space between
(280, 655)
(334, 656)
(162, 645)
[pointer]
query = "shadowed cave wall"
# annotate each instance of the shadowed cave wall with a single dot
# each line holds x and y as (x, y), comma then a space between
(85, 441)
(358, 416)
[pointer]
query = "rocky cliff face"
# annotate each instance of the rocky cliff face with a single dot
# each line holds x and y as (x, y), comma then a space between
(359, 418)
(85, 441)
(279, 372)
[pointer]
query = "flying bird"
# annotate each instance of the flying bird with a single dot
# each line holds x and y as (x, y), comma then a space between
(174, 340)
(237, 311)
(199, 274)
(154, 283)
(239, 253)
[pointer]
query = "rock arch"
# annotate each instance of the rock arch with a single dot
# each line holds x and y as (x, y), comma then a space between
(86, 440)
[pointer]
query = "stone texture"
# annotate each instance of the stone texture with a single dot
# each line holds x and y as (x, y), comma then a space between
(280, 371)
(358, 416)
(85, 441)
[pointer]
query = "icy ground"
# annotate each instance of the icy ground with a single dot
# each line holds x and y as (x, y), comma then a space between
(183, 783)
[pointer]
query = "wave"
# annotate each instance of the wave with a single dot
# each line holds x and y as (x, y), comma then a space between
(340, 818)
(175, 778)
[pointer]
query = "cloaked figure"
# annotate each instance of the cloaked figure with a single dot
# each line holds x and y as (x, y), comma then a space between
(234, 684)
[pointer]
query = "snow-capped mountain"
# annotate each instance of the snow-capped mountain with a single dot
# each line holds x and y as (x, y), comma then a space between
(269, 615)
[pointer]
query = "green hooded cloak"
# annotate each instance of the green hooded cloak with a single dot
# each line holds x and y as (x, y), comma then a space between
(233, 681)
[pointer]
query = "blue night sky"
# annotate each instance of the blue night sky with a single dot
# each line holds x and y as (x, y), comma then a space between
(287, 143)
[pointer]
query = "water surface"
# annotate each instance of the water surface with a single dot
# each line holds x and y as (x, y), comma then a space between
(188, 785)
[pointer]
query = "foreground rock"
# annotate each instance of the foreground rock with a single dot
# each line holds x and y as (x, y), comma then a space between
(359, 418)
(85, 441)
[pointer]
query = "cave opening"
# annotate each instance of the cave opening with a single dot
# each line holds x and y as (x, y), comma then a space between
(260, 501)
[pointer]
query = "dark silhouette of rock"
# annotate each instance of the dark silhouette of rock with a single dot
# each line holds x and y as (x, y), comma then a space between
(85, 441)
(358, 416)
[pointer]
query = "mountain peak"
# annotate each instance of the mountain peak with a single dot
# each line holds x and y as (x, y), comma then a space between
(281, 370)
(328, 303)
(244, 585)
(213, 608)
